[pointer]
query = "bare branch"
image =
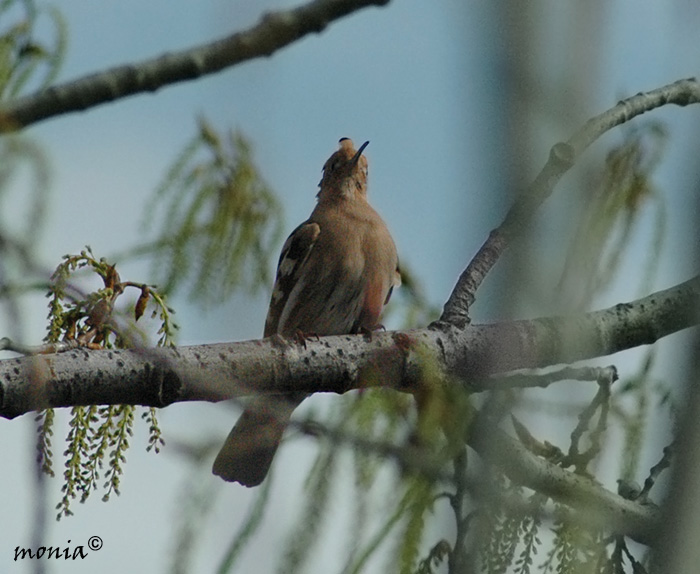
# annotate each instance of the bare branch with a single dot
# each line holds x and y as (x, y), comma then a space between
(159, 377)
(7, 344)
(562, 157)
(543, 380)
(655, 471)
(598, 506)
(274, 31)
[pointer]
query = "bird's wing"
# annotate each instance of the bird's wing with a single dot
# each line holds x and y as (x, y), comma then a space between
(294, 255)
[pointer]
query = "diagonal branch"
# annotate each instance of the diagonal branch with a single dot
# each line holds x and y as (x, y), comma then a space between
(274, 31)
(562, 157)
(159, 377)
(597, 505)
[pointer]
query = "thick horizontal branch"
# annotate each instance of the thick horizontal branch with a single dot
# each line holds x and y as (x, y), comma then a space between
(274, 31)
(561, 158)
(159, 377)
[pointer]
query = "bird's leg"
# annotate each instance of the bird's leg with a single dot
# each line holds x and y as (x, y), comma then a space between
(301, 337)
(367, 332)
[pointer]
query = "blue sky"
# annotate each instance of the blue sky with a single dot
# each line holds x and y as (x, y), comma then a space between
(429, 85)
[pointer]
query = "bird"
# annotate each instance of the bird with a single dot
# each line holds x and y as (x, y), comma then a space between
(336, 272)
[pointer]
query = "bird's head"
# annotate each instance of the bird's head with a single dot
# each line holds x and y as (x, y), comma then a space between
(345, 172)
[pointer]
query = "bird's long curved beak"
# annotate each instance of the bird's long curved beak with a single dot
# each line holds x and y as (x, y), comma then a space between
(357, 155)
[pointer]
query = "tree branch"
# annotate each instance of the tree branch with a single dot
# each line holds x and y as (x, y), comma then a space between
(543, 380)
(159, 377)
(597, 506)
(274, 31)
(561, 158)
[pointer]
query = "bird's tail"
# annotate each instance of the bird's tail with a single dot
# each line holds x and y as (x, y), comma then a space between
(251, 445)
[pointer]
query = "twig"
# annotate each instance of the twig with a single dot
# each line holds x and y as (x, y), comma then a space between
(543, 380)
(655, 471)
(600, 401)
(7, 344)
(458, 557)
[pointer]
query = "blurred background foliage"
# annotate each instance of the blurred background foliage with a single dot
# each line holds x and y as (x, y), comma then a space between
(216, 222)
(27, 62)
